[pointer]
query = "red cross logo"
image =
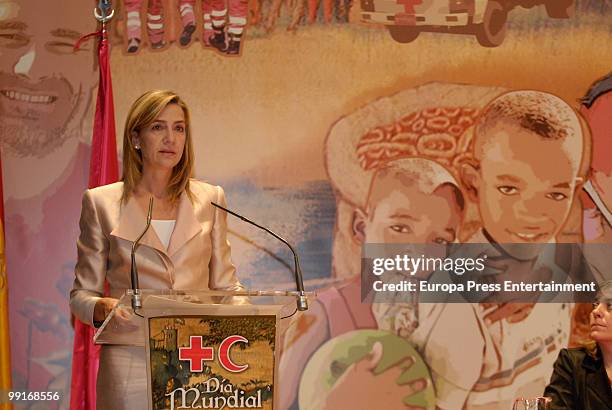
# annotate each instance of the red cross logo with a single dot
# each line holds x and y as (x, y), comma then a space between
(409, 5)
(196, 353)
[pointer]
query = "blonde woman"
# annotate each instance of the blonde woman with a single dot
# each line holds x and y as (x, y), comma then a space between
(186, 248)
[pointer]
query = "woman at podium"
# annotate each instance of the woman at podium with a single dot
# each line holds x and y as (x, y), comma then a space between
(185, 247)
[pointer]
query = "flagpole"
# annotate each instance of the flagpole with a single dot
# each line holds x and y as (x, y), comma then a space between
(103, 169)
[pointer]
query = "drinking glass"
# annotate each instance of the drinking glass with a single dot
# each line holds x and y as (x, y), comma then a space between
(533, 403)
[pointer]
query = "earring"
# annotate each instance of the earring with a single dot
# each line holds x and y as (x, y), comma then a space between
(136, 146)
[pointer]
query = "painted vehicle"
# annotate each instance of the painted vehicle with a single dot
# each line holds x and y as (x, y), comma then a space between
(486, 19)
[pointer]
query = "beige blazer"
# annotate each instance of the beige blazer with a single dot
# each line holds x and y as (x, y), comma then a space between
(197, 258)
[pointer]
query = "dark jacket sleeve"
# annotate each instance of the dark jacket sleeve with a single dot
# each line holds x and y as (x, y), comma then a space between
(561, 388)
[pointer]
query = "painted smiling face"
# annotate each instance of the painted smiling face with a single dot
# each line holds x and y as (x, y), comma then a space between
(526, 183)
(45, 87)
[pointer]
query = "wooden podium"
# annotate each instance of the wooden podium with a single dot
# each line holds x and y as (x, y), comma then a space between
(205, 349)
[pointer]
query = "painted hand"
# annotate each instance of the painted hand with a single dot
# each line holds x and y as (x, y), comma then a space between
(359, 388)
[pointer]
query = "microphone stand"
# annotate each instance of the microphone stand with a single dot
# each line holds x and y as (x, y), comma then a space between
(302, 301)
(136, 300)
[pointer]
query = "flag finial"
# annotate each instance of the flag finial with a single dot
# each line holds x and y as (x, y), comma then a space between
(104, 12)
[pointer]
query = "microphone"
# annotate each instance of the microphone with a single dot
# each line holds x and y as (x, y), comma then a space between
(302, 302)
(136, 301)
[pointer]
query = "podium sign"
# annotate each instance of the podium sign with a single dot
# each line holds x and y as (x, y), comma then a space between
(205, 349)
(211, 362)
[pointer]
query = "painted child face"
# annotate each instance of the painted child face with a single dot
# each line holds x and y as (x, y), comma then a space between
(525, 184)
(162, 142)
(601, 317)
(400, 214)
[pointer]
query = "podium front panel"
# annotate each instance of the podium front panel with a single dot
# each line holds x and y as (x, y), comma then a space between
(211, 361)
(205, 349)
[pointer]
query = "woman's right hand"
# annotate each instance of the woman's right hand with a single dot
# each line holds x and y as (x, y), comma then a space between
(103, 308)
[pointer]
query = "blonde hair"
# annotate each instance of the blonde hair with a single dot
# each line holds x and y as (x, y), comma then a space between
(591, 348)
(143, 113)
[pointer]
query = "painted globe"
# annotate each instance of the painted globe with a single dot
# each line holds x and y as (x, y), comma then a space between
(335, 356)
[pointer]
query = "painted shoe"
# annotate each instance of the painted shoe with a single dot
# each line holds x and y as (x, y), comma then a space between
(188, 31)
(133, 45)
(218, 41)
(233, 48)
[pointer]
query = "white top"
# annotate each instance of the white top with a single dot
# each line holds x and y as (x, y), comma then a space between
(164, 229)
(488, 365)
